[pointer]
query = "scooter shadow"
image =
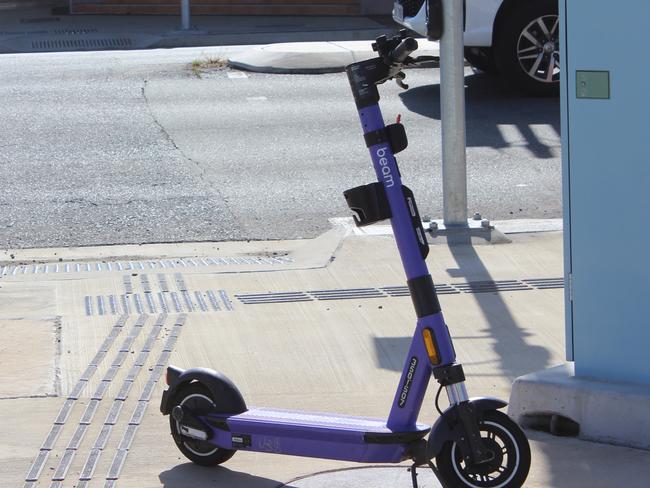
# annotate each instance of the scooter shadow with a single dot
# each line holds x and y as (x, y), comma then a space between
(190, 474)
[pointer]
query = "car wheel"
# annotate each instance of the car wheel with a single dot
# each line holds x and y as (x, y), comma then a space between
(481, 58)
(527, 48)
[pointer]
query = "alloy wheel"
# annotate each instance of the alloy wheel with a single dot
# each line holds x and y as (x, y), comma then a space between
(538, 49)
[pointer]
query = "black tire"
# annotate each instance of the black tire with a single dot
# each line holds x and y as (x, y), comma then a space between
(503, 437)
(482, 59)
(526, 47)
(199, 399)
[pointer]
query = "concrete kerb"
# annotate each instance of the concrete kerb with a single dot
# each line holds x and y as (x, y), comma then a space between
(614, 413)
(312, 57)
(515, 226)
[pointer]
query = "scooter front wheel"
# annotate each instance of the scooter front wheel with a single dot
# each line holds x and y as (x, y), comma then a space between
(197, 398)
(509, 466)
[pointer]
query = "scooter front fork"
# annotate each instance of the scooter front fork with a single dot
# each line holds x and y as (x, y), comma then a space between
(457, 393)
(469, 441)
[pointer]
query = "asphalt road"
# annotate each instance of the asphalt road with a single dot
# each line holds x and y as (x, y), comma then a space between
(132, 147)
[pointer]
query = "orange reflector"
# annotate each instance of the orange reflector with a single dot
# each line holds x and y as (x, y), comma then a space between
(430, 344)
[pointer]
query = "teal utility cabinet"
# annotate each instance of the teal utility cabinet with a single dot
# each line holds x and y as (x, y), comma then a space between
(605, 106)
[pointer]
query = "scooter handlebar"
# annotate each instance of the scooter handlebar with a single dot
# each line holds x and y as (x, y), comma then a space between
(403, 49)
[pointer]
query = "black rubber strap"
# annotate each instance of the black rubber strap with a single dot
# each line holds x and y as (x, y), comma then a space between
(423, 294)
(376, 137)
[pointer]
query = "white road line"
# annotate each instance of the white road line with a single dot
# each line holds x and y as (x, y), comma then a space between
(237, 75)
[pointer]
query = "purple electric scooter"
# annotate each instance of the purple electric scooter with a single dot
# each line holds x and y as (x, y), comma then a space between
(472, 442)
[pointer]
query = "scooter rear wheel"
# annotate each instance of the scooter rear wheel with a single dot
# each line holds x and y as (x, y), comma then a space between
(198, 399)
(509, 467)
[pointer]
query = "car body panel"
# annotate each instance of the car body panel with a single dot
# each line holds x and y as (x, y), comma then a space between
(481, 15)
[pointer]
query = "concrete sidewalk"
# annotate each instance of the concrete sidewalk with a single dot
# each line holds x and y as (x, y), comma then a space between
(38, 30)
(319, 325)
(272, 44)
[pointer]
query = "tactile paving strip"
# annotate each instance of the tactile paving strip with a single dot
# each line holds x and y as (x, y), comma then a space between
(401, 291)
(122, 414)
(64, 413)
(118, 266)
(160, 302)
(152, 301)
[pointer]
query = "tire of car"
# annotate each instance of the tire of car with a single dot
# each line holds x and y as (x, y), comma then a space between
(526, 48)
(482, 59)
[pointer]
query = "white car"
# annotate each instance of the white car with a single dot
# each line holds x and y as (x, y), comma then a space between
(517, 39)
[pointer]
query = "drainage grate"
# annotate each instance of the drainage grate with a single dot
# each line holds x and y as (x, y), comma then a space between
(40, 20)
(62, 44)
(401, 291)
(74, 32)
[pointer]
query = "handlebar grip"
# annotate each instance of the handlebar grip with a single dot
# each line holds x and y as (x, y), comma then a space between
(403, 49)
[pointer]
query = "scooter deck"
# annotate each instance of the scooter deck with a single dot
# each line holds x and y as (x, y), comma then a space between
(297, 418)
(325, 435)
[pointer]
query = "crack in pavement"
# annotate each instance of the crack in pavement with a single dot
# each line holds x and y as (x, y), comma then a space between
(201, 169)
(167, 134)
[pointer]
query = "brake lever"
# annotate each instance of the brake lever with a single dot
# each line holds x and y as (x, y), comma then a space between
(399, 79)
(424, 60)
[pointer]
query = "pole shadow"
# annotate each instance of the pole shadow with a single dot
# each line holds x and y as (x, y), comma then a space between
(516, 356)
(488, 108)
(576, 463)
(390, 352)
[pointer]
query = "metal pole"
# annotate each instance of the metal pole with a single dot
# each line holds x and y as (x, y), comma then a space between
(452, 101)
(185, 14)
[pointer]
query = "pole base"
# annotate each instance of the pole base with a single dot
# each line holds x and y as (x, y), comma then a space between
(476, 231)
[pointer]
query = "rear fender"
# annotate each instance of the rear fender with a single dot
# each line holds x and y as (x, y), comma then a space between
(225, 394)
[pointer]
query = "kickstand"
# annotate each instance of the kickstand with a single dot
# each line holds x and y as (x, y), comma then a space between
(414, 474)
